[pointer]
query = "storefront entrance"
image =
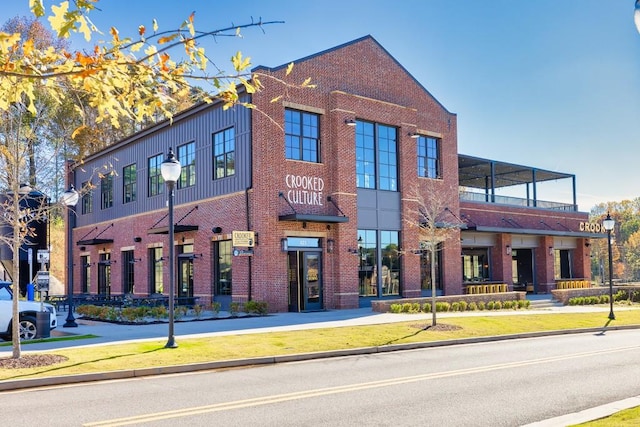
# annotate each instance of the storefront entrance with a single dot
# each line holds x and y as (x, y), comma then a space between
(305, 280)
(522, 267)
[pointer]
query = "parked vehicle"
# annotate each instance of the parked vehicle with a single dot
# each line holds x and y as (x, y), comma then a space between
(27, 309)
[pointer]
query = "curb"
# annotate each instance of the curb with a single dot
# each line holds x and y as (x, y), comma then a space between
(7, 385)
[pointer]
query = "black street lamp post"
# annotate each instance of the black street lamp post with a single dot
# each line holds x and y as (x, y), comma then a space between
(170, 170)
(608, 225)
(70, 199)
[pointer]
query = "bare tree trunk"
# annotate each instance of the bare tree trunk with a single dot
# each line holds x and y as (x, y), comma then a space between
(433, 285)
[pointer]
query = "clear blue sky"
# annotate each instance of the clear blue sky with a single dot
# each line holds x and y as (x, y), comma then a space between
(553, 84)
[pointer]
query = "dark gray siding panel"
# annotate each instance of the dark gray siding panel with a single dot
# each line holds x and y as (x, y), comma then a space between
(379, 210)
(195, 126)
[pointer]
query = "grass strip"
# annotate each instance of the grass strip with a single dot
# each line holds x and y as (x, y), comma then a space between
(153, 354)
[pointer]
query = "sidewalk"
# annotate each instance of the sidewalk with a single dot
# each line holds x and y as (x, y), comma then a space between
(110, 333)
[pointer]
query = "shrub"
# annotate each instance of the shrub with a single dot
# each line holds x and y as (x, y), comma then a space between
(426, 307)
(395, 308)
(473, 306)
(215, 307)
(406, 307)
(481, 305)
(464, 306)
(507, 305)
(497, 305)
(455, 306)
(443, 306)
(197, 310)
(256, 307)
(234, 308)
(159, 312)
(604, 299)
(490, 305)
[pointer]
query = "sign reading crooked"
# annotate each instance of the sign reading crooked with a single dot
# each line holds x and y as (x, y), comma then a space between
(245, 239)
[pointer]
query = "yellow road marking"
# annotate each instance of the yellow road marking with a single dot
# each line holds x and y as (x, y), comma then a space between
(257, 401)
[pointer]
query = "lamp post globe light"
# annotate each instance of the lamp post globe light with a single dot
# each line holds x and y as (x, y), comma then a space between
(608, 225)
(70, 199)
(170, 170)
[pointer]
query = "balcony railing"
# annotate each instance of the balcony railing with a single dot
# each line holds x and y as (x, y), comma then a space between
(516, 201)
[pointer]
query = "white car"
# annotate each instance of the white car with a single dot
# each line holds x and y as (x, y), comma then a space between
(28, 310)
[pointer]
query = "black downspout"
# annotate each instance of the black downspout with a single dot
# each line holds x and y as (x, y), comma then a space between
(246, 201)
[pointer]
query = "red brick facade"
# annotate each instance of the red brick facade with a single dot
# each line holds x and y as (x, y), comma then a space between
(358, 80)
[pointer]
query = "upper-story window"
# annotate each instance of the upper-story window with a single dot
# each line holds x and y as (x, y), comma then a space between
(106, 191)
(187, 159)
(155, 177)
(428, 157)
(301, 136)
(87, 198)
(129, 184)
(224, 153)
(376, 156)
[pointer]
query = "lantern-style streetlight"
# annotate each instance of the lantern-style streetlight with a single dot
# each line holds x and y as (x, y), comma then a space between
(170, 170)
(70, 199)
(608, 225)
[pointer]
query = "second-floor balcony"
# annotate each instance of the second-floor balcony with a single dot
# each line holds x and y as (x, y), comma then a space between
(482, 180)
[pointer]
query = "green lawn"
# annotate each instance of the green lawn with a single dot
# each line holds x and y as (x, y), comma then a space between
(153, 354)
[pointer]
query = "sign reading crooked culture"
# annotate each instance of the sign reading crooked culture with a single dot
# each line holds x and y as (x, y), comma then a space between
(245, 239)
(592, 227)
(304, 190)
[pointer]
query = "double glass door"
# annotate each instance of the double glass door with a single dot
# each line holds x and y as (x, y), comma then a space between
(305, 280)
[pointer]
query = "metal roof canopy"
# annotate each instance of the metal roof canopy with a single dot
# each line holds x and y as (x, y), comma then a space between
(475, 172)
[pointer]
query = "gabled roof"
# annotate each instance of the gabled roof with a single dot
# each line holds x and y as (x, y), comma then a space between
(353, 42)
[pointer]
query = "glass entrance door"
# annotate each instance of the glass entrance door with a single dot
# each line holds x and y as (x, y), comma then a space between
(185, 276)
(305, 280)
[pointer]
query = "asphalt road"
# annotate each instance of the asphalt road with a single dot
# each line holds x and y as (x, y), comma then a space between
(509, 383)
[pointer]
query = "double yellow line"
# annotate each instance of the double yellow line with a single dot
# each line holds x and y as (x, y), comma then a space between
(267, 400)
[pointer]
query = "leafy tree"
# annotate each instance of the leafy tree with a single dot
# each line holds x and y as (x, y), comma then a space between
(122, 83)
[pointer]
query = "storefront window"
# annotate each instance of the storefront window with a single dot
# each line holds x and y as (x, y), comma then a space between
(475, 265)
(390, 272)
(562, 264)
(367, 251)
(425, 269)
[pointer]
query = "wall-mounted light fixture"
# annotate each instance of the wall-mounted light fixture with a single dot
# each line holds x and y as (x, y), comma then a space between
(217, 230)
(284, 245)
(550, 250)
(330, 245)
(587, 244)
(137, 239)
(350, 122)
(508, 249)
(414, 135)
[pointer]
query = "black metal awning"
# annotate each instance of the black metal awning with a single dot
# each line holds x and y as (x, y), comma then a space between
(178, 228)
(332, 219)
(93, 242)
(541, 232)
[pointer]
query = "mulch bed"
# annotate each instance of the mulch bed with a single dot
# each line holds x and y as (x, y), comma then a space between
(31, 361)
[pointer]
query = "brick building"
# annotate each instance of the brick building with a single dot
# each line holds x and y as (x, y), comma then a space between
(324, 184)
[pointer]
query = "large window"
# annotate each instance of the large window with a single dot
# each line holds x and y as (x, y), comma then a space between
(301, 136)
(223, 256)
(390, 271)
(224, 153)
(428, 157)
(106, 191)
(376, 156)
(156, 284)
(425, 268)
(129, 186)
(475, 265)
(87, 198)
(187, 158)
(128, 276)
(155, 185)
